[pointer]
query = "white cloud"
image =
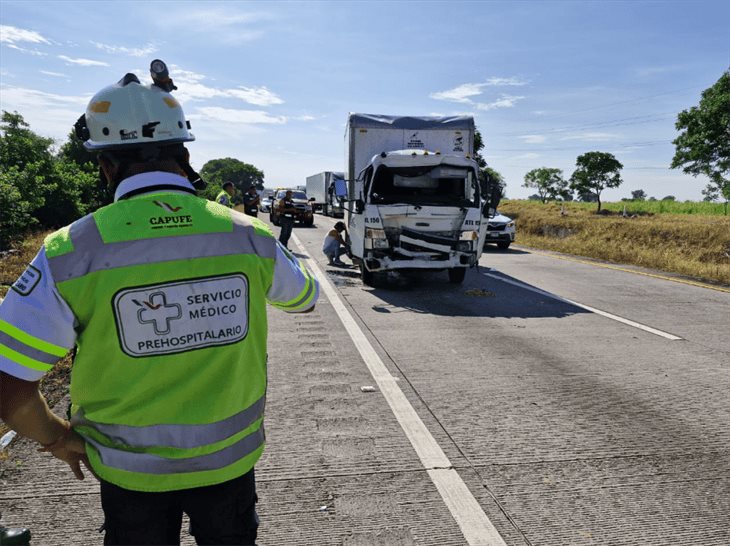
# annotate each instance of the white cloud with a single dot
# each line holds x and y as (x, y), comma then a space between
(533, 139)
(463, 93)
(303, 118)
(223, 24)
(133, 51)
(55, 74)
(82, 62)
(506, 81)
(460, 93)
(48, 114)
(25, 50)
(12, 35)
(505, 101)
(232, 115)
(260, 96)
(592, 137)
(191, 88)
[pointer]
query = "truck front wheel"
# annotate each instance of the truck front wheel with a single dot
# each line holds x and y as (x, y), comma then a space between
(457, 274)
(368, 277)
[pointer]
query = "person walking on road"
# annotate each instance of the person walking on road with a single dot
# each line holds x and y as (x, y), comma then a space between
(286, 210)
(164, 295)
(225, 195)
(334, 245)
(251, 202)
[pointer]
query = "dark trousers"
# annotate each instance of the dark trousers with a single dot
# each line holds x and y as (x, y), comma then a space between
(286, 226)
(252, 212)
(219, 514)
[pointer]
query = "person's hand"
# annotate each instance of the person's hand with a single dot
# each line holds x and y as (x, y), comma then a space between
(71, 449)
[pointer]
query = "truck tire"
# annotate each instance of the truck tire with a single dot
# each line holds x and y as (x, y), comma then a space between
(457, 274)
(325, 210)
(504, 245)
(368, 277)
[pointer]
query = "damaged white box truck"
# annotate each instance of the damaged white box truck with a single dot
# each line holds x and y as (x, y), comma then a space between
(417, 201)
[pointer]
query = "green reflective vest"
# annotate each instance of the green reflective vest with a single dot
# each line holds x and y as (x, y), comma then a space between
(169, 380)
(224, 199)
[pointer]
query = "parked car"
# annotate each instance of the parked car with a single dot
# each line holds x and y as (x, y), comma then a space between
(501, 231)
(304, 212)
(265, 205)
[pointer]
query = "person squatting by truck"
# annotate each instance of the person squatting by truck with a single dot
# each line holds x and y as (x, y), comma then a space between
(334, 245)
(168, 392)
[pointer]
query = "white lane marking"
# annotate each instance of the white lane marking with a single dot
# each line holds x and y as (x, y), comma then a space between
(586, 307)
(473, 522)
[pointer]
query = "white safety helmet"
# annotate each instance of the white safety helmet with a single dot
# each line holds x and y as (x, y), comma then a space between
(129, 114)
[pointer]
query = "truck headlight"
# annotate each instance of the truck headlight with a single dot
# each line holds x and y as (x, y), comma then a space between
(372, 233)
(469, 236)
(463, 246)
(380, 243)
(511, 224)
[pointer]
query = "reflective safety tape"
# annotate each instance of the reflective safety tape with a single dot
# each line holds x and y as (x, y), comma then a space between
(300, 300)
(30, 352)
(179, 436)
(32, 341)
(147, 463)
(23, 360)
(91, 254)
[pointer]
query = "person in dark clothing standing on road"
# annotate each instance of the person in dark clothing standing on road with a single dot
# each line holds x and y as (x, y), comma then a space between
(251, 202)
(286, 211)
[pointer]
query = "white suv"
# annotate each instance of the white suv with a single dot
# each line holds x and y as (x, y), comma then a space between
(500, 231)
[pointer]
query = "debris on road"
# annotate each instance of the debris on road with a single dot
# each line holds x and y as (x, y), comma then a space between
(367, 388)
(6, 439)
(478, 292)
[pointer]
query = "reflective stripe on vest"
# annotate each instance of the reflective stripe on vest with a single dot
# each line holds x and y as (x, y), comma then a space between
(91, 254)
(147, 463)
(180, 436)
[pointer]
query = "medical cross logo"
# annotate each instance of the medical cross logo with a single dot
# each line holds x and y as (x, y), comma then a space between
(156, 311)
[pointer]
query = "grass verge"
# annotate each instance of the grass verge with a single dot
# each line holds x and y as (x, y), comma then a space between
(693, 245)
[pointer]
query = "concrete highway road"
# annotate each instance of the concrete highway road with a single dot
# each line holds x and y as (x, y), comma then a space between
(578, 404)
(546, 401)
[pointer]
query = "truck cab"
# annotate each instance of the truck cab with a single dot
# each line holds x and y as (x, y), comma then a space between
(420, 210)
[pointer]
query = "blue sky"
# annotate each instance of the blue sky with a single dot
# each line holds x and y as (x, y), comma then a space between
(271, 83)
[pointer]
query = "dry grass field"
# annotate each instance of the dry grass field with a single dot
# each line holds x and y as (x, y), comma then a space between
(696, 245)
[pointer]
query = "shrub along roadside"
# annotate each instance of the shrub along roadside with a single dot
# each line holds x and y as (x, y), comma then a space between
(693, 245)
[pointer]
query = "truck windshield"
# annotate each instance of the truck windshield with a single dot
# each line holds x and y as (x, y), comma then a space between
(439, 185)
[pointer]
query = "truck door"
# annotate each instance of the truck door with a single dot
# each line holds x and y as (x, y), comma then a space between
(356, 218)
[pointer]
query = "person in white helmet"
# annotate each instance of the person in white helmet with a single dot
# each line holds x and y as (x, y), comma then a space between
(164, 295)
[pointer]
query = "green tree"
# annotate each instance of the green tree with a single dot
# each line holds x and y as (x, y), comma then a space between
(703, 144)
(595, 172)
(98, 193)
(710, 193)
(548, 182)
(478, 146)
(217, 171)
(638, 195)
(669, 198)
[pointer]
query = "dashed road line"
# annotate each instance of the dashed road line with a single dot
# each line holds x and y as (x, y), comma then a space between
(611, 316)
(476, 527)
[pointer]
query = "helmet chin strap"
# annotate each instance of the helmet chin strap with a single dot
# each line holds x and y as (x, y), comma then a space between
(194, 178)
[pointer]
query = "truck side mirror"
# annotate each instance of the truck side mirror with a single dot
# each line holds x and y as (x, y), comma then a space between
(359, 206)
